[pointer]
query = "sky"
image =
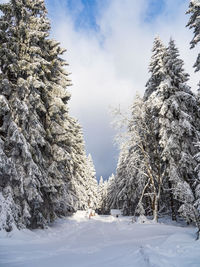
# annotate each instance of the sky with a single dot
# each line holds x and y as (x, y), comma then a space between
(109, 46)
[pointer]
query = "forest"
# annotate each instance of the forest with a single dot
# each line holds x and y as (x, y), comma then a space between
(45, 172)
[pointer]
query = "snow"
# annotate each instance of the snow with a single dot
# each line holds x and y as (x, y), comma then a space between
(101, 241)
(115, 212)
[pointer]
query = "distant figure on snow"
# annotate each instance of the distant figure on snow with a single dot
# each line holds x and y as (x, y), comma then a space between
(91, 212)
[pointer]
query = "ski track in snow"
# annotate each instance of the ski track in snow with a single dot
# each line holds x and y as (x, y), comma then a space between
(101, 241)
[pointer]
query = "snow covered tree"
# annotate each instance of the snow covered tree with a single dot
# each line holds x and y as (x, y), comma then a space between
(100, 194)
(156, 169)
(38, 138)
(137, 182)
(118, 194)
(155, 67)
(176, 108)
(194, 23)
(79, 167)
(145, 158)
(111, 193)
(105, 207)
(92, 185)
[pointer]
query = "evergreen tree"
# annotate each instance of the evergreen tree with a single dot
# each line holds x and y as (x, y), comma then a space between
(79, 167)
(92, 185)
(176, 108)
(156, 170)
(100, 194)
(111, 193)
(41, 145)
(116, 199)
(156, 67)
(194, 23)
(105, 207)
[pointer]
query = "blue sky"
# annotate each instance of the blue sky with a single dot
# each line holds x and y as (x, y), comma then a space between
(84, 11)
(156, 7)
(85, 16)
(108, 49)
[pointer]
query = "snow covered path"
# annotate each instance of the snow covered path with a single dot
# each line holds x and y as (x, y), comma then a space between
(102, 241)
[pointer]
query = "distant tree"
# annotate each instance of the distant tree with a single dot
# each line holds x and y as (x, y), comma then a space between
(103, 207)
(106, 208)
(100, 194)
(111, 192)
(92, 185)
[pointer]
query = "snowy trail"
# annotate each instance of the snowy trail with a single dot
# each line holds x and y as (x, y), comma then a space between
(101, 241)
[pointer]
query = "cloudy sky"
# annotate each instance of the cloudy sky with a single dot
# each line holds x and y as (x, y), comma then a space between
(109, 46)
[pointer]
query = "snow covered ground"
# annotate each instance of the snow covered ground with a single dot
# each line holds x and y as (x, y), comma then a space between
(102, 241)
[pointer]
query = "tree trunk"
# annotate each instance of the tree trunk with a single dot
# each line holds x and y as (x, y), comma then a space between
(173, 210)
(155, 210)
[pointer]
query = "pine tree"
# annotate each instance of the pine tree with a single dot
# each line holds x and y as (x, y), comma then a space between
(138, 180)
(156, 170)
(79, 167)
(92, 185)
(116, 199)
(145, 158)
(194, 23)
(156, 67)
(105, 207)
(100, 194)
(41, 145)
(177, 110)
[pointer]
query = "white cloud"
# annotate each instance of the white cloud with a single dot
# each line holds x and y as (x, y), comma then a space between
(110, 72)
(109, 66)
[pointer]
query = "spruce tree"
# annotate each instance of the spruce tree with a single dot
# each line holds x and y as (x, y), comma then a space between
(41, 145)
(105, 207)
(156, 170)
(177, 112)
(194, 23)
(156, 67)
(110, 187)
(100, 194)
(92, 185)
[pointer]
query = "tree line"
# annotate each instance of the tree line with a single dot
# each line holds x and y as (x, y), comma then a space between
(44, 170)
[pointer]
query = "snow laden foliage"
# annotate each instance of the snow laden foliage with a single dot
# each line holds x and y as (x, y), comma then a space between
(194, 23)
(178, 120)
(175, 112)
(137, 181)
(91, 185)
(103, 207)
(42, 155)
(111, 187)
(156, 172)
(100, 193)
(156, 67)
